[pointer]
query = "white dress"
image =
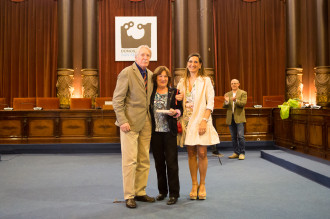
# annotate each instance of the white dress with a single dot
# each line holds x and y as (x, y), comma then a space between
(200, 98)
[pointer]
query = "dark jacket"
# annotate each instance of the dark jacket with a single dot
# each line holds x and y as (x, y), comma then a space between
(171, 103)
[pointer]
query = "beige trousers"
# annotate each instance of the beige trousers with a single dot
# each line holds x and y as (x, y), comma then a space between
(135, 160)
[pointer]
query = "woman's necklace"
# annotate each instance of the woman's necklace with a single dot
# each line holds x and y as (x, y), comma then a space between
(162, 90)
(192, 80)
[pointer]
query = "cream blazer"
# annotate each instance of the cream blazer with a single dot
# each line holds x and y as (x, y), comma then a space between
(204, 99)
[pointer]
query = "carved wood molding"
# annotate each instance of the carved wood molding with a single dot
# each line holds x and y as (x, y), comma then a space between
(293, 83)
(64, 86)
(322, 80)
(90, 83)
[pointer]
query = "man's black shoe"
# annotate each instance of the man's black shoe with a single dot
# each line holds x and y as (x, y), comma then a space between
(217, 154)
(130, 203)
(144, 198)
(160, 197)
(172, 201)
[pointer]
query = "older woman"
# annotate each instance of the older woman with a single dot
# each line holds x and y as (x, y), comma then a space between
(197, 93)
(165, 110)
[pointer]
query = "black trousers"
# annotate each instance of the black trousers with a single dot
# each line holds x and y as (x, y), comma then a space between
(165, 152)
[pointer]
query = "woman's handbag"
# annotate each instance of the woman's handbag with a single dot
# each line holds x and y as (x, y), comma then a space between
(179, 126)
(178, 122)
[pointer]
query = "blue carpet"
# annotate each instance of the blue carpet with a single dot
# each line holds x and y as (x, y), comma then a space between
(310, 168)
(87, 186)
(106, 147)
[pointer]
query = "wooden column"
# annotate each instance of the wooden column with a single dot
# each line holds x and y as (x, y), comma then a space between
(322, 68)
(89, 70)
(181, 42)
(65, 57)
(206, 36)
(294, 71)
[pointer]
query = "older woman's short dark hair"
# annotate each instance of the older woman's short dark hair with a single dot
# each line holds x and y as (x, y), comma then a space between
(158, 71)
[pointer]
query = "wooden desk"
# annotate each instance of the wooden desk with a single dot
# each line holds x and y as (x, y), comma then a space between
(306, 131)
(58, 126)
(258, 126)
(97, 126)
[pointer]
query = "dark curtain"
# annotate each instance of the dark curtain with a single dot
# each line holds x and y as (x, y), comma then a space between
(28, 49)
(249, 39)
(108, 9)
(250, 46)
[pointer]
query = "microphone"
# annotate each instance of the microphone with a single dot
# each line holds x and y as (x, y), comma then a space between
(6, 106)
(254, 104)
(107, 105)
(33, 104)
(275, 101)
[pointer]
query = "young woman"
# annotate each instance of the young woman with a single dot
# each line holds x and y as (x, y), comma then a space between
(197, 93)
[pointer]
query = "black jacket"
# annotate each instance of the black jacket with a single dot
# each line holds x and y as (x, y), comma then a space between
(170, 104)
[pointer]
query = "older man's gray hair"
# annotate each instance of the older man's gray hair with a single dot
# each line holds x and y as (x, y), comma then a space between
(137, 51)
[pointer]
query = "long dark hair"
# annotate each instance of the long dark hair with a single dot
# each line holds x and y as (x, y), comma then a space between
(201, 71)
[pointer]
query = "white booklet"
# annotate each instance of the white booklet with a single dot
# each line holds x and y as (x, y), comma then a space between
(163, 111)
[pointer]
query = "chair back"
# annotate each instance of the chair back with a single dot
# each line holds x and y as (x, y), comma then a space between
(24, 103)
(48, 102)
(249, 102)
(218, 102)
(100, 101)
(3, 102)
(81, 103)
(272, 101)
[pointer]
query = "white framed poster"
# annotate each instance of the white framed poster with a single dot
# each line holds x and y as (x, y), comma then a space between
(131, 32)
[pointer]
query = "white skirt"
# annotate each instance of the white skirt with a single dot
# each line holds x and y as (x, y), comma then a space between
(210, 137)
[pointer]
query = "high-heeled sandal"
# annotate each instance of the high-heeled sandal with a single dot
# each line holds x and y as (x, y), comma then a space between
(194, 191)
(202, 194)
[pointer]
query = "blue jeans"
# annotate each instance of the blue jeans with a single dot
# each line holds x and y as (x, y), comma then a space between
(237, 136)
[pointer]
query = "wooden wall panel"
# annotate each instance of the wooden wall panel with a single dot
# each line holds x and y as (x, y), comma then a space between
(58, 126)
(221, 127)
(258, 126)
(310, 131)
(315, 136)
(299, 132)
(299, 135)
(98, 126)
(41, 128)
(282, 131)
(317, 141)
(327, 151)
(102, 127)
(73, 127)
(305, 130)
(11, 128)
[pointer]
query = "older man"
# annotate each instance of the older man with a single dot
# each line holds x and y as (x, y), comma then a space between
(235, 101)
(131, 104)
